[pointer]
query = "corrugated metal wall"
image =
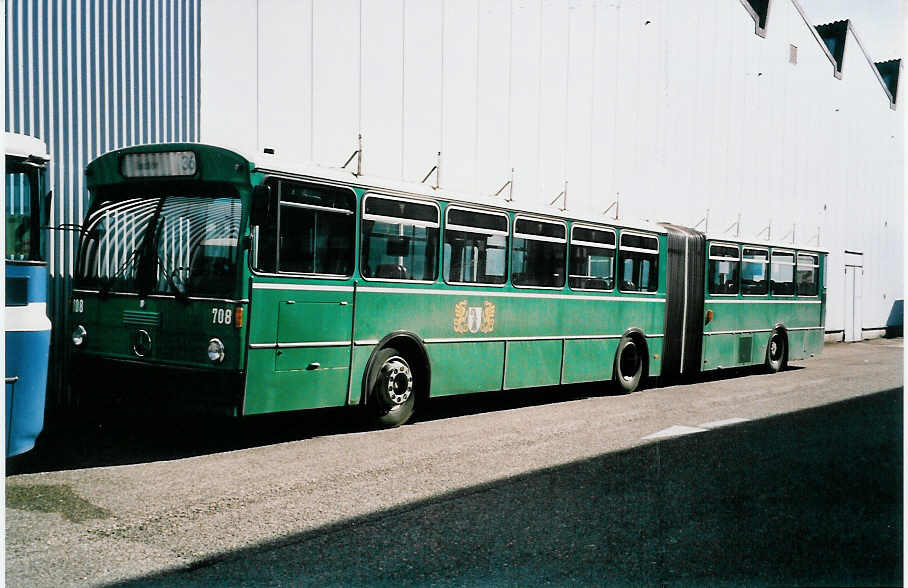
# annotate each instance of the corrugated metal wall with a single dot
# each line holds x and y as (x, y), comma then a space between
(87, 77)
(678, 109)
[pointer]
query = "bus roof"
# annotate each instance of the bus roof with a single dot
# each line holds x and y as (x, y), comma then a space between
(714, 238)
(307, 171)
(25, 146)
(315, 173)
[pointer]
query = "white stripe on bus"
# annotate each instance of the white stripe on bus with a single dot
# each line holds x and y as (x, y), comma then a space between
(29, 318)
(714, 301)
(477, 293)
(435, 340)
(745, 331)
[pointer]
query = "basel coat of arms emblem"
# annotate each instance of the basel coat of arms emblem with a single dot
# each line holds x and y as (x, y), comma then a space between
(474, 319)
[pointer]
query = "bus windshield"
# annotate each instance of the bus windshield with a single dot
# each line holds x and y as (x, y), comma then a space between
(184, 245)
(22, 225)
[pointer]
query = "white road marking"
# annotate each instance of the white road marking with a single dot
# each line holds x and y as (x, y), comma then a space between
(678, 430)
(725, 423)
(675, 431)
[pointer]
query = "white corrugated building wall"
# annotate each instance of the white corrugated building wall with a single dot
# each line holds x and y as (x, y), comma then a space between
(675, 109)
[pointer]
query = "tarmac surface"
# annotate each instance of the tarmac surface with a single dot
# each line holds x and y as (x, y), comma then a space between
(741, 478)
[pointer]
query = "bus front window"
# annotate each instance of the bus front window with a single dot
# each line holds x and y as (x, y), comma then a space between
(197, 246)
(180, 245)
(20, 242)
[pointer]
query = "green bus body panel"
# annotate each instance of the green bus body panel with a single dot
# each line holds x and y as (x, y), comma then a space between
(438, 315)
(587, 360)
(459, 368)
(361, 355)
(295, 372)
(179, 331)
(533, 363)
(213, 164)
(802, 318)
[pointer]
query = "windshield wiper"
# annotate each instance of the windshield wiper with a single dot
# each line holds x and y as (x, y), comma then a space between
(107, 284)
(168, 275)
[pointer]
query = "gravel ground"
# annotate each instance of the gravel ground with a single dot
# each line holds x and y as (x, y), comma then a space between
(552, 486)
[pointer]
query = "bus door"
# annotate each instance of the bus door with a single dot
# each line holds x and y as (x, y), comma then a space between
(302, 299)
(312, 355)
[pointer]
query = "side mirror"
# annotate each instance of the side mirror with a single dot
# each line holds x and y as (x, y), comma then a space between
(262, 205)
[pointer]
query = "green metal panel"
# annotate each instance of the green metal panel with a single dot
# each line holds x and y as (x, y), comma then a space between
(301, 385)
(589, 360)
(459, 368)
(532, 363)
(361, 355)
(214, 164)
(655, 355)
(179, 331)
(301, 373)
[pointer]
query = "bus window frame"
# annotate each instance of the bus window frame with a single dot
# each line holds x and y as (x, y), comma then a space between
(710, 257)
(507, 235)
(816, 267)
(374, 217)
(516, 235)
(614, 248)
(657, 250)
(793, 264)
(768, 265)
(277, 226)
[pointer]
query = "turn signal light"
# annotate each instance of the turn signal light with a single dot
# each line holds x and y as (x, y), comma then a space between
(238, 317)
(709, 316)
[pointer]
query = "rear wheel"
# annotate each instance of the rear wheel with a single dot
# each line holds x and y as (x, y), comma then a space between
(776, 352)
(628, 369)
(392, 389)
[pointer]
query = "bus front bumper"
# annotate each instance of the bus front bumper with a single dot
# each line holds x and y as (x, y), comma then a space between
(108, 383)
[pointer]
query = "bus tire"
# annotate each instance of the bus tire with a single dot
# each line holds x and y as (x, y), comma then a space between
(392, 389)
(776, 352)
(628, 369)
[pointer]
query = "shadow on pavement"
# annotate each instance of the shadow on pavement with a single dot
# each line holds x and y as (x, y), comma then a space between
(141, 434)
(813, 497)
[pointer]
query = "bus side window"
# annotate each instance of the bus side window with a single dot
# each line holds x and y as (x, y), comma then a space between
(782, 266)
(808, 266)
(724, 264)
(314, 233)
(592, 258)
(399, 239)
(538, 253)
(638, 258)
(475, 247)
(754, 269)
(266, 247)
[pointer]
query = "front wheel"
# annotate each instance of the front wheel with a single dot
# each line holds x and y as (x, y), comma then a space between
(628, 370)
(392, 389)
(776, 352)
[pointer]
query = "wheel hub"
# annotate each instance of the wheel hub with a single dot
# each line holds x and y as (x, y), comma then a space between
(397, 381)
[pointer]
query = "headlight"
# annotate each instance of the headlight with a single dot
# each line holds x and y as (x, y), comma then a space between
(79, 334)
(216, 351)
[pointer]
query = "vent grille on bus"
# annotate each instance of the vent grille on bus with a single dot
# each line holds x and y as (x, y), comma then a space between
(745, 349)
(141, 318)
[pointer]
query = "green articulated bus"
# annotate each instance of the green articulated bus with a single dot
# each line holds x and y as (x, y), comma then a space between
(211, 279)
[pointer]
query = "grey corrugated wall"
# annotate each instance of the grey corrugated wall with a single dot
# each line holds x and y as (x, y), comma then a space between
(86, 77)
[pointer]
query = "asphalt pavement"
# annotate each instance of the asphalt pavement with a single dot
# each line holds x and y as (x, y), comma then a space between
(740, 478)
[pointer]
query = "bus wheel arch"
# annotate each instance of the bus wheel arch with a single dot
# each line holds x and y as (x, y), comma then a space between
(777, 349)
(398, 357)
(631, 364)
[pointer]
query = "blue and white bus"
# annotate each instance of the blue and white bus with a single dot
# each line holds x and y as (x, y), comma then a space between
(27, 328)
